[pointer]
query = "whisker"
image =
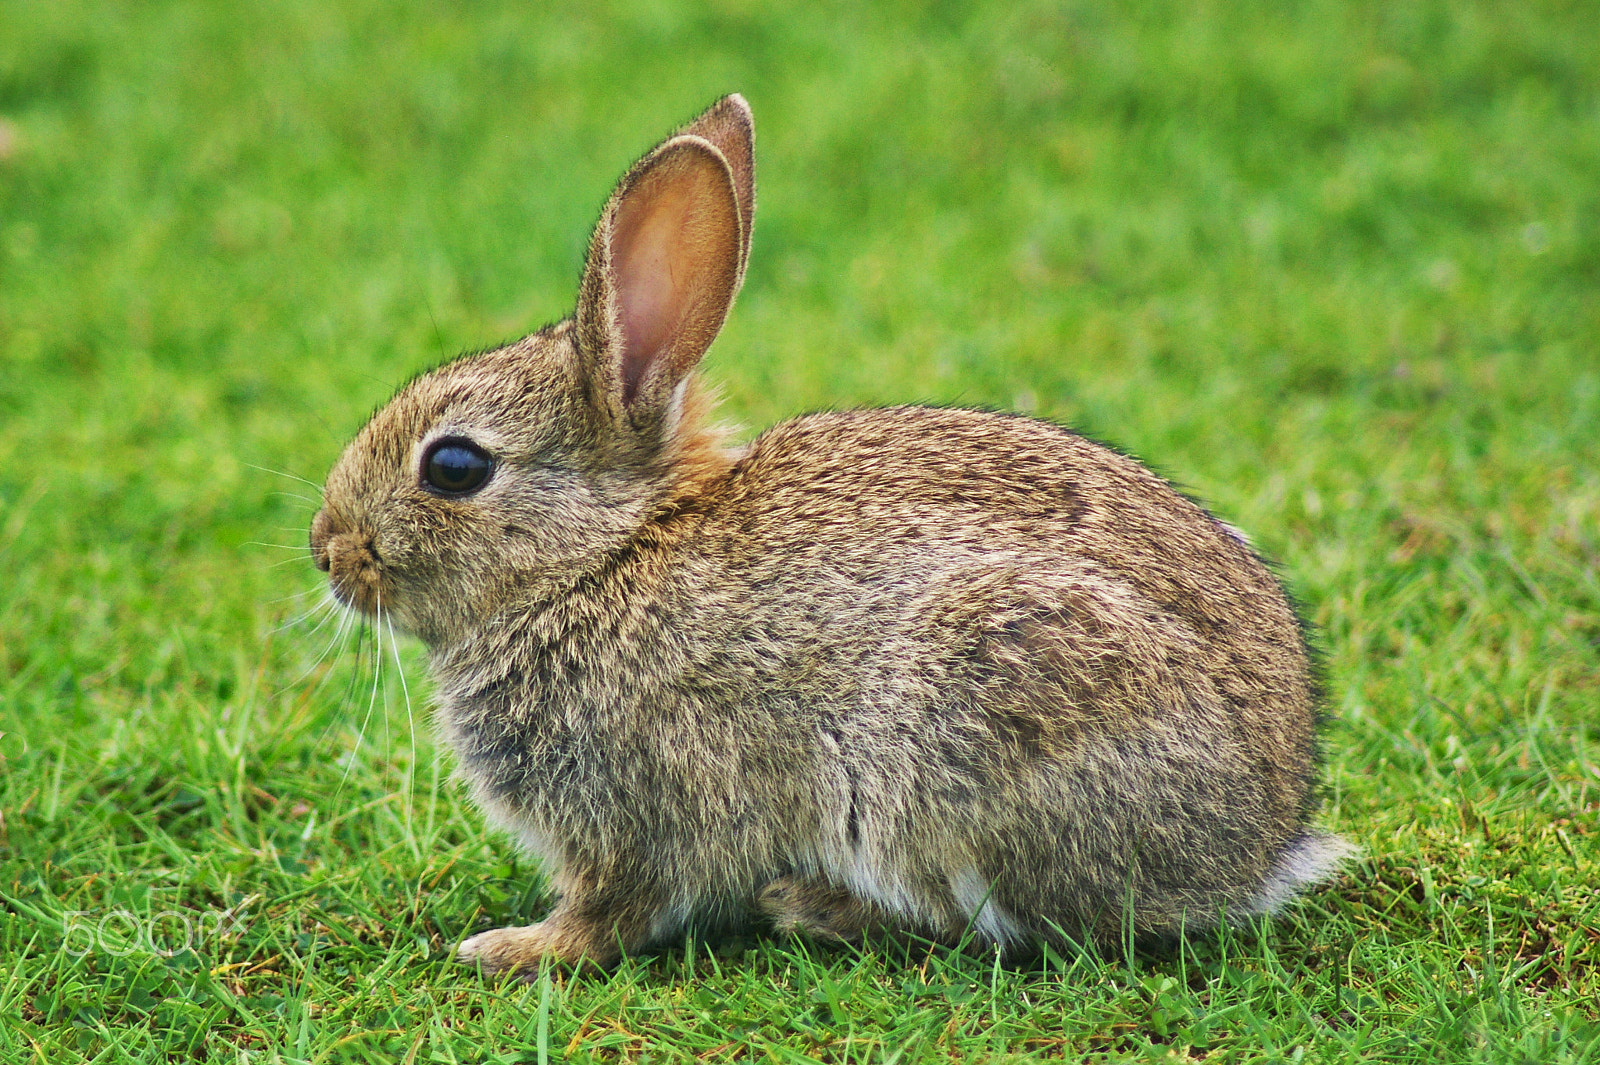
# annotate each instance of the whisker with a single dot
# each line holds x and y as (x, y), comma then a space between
(286, 561)
(294, 595)
(325, 739)
(321, 604)
(411, 725)
(338, 635)
(285, 547)
(279, 473)
(361, 733)
(372, 700)
(378, 674)
(296, 620)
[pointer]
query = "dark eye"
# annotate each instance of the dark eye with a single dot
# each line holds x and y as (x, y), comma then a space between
(456, 467)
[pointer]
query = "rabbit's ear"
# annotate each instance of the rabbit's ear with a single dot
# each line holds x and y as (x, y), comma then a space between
(664, 265)
(729, 126)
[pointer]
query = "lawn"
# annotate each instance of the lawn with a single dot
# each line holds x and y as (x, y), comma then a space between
(1332, 266)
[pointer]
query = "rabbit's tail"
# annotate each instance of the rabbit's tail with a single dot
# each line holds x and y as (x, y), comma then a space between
(1308, 860)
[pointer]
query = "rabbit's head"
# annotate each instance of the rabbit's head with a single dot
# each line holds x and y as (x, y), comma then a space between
(523, 467)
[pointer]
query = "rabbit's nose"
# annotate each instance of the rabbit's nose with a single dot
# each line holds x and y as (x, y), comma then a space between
(320, 534)
(353, 572)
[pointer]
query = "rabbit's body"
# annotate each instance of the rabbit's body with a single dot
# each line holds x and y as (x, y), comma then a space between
(754, 686)
(937, 669)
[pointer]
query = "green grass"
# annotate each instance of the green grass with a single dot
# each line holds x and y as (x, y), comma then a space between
(1334, 266)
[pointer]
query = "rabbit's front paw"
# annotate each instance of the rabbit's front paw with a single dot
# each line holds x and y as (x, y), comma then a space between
(512, 950)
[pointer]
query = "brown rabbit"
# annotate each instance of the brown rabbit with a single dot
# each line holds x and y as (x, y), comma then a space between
(946, 671)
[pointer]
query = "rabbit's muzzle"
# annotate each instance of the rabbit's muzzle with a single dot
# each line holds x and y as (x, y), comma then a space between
(349, 560)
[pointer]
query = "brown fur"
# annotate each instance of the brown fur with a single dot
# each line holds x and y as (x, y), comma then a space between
(938, 670)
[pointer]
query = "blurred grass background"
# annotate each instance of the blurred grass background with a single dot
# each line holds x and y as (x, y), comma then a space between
(1334, 266)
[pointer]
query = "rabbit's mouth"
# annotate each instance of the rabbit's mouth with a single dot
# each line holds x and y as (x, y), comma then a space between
(351, 563)
(357, 587)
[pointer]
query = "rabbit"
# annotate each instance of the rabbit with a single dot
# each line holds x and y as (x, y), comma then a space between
(949, 673)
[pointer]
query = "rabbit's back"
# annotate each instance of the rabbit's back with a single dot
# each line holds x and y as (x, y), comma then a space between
(878, 507)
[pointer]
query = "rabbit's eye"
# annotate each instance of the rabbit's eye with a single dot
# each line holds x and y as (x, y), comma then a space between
(456, 467)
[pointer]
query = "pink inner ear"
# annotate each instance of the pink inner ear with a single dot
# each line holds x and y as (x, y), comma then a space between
(645, 248)
(674, 245)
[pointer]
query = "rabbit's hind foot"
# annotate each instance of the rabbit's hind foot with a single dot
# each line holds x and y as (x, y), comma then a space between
(816, 908)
